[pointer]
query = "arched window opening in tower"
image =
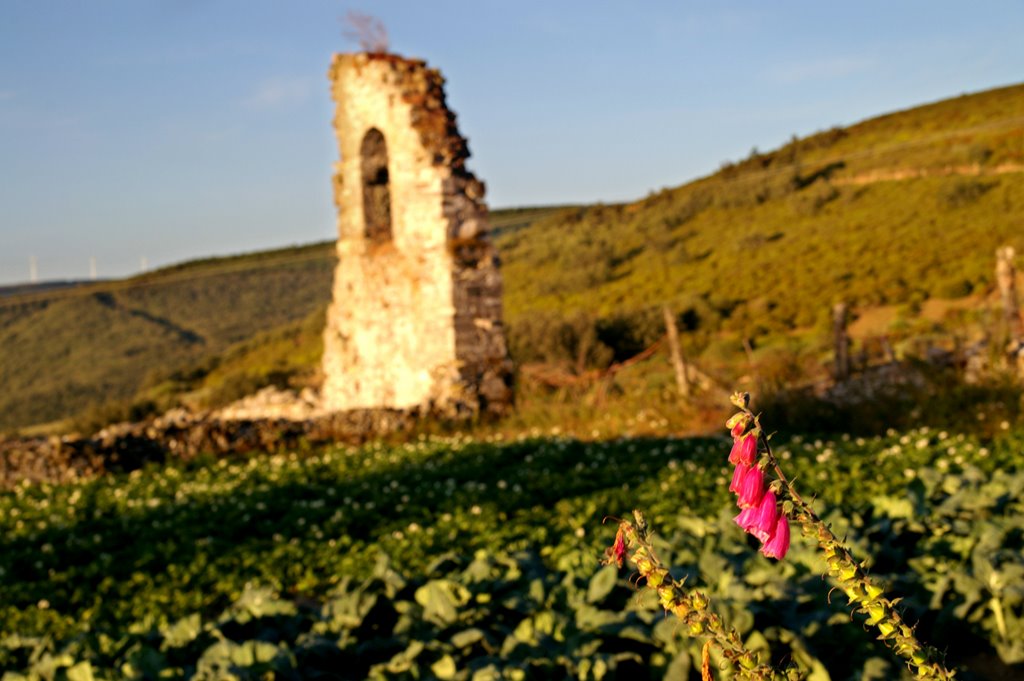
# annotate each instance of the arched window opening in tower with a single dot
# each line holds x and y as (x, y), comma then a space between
(376, 190)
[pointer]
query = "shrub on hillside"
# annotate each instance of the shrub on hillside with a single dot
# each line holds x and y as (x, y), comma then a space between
(101, 415)
(929, 397)
(550, 338)
(955, 288)
(235, 386)
(964, 192)
(584, 341)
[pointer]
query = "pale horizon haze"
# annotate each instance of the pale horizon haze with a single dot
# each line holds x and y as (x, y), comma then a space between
(164, 130)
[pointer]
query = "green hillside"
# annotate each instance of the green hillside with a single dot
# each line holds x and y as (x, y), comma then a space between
(89, 346)
(894, 210)
(770, 242)
(210, 330)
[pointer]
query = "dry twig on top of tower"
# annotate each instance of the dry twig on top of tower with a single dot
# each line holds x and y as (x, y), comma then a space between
(367, 30)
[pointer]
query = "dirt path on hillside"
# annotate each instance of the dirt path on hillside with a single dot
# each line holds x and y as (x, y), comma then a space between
(890, 175)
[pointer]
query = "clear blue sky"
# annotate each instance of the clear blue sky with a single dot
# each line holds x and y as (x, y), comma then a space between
(174, 129)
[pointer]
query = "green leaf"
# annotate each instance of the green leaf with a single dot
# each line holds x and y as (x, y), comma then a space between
(256, 602)
(602, 583)
(382, 570)
(546, 622)
(444, 668)
(524, 631)
(47, 665)
(347, 611)
(693, 526)
(894, 507)
(536, 591)
(876, 669)
(80, 672)
(666, 632)
(480, 569)
(143, 661)
(488, 673)
(679, 668)
(818, 672)
(405, 660)
(757, 643)
(441, 600)
(464, 639)
(589, 618)
(251, 653)
(182, 632)
(1010, 652)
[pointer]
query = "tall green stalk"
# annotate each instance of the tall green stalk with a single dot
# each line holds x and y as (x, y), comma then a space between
(693, 608)
(849, 574)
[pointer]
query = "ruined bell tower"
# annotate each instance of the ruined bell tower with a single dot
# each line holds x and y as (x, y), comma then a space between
(415, 319)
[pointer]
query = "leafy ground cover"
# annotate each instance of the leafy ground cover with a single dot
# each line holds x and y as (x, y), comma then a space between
(459, 559)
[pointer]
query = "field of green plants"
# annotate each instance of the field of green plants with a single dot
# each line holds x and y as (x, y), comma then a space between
(452, 558)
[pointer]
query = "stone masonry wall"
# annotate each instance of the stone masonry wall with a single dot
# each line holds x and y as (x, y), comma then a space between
(415, 320)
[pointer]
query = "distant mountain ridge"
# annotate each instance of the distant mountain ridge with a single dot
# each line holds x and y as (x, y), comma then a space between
(43, 286)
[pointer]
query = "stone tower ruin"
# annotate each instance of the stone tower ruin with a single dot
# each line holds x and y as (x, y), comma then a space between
(415, 320)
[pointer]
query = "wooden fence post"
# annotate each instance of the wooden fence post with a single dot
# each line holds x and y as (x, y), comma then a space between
(678, 361)
(1006, 278)
(842, 341)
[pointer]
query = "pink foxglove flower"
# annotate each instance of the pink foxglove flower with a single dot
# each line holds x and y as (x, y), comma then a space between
(746, 518)
(619, 549)
(778, 543)
(617, 552)
(760, 520)
(744, 449)
(737, 423)
(751, 487)
(738, 474)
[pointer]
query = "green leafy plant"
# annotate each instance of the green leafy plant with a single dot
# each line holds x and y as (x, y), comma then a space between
(360, 559)
(766, 514)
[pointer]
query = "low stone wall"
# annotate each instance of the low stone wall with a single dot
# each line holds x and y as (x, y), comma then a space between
(183, 436)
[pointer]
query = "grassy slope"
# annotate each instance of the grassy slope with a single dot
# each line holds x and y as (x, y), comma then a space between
(211, 327)
(762, 247)
(773, 240)
(72, 349)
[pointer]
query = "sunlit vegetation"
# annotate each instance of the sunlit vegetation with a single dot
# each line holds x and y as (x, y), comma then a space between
(85, 348)
(451, 558)
(478, 557)
(897, 210)
(767, 244)
(893, 211)
(200, 334)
